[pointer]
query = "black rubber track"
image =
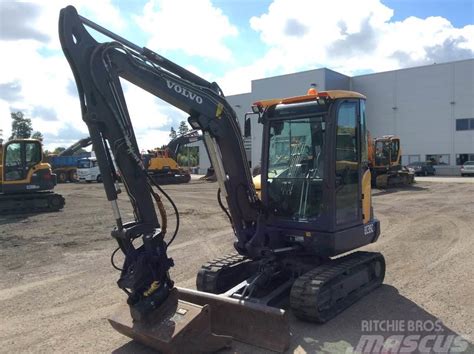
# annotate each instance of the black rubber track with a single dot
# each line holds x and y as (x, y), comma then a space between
(314, 286)
(31, 203)
(223, 273)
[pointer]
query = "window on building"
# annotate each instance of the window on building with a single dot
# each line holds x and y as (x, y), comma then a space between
(461, 158)
(408, 159)
(465, 124)
(442, 159)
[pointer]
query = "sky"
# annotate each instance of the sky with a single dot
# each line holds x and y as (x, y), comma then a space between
(228, 41)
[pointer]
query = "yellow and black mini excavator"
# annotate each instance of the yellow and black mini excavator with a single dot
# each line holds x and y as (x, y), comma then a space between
(315, 203)
(26, 182)
(162, 164)
(385, 161)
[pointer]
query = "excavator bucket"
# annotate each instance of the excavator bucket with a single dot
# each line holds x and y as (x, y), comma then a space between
(191, 321)
(210, 175)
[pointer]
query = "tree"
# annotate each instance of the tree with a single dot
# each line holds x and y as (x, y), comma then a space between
(58, 150)
(183, 128)
(79, 152)
(173, 134)
(37, 135)
(188, 156)
(21, 126)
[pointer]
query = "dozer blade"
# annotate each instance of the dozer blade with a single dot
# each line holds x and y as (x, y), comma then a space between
(175, 327)
(192, 321)
(248, 322)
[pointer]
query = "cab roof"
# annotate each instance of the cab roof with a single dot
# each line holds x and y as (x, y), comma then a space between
(332, 94)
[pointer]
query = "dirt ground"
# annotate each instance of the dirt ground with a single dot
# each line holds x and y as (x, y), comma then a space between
(57, 286)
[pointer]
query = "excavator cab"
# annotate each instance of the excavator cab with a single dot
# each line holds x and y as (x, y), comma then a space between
(315, 170)
(20, 158)
(26, 181)
(385, 161)
(387, 151)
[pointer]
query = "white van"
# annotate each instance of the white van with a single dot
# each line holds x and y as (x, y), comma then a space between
(88, 170)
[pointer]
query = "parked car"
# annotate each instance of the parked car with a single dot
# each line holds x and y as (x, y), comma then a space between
(422, 168)
(467, 168)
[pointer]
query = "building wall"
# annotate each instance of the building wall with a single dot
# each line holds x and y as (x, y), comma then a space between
(204, 162)
(419, 104)
(288, 85)
(463, 107)
(336, 81)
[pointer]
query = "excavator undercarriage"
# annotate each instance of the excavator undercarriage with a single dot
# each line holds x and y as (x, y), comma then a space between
(21, 203)
(315, 291)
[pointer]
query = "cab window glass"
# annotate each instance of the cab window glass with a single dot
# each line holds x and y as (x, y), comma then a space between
(13, 155)
(295, 168)
(32, 154)
(395, 148)
(14, 169)
(347, 164)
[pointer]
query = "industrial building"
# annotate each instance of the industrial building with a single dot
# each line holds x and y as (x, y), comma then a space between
(431, 108)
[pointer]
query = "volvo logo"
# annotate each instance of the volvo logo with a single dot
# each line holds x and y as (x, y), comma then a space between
(183, 91)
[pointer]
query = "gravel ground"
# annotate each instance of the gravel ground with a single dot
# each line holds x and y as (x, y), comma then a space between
(57, 286)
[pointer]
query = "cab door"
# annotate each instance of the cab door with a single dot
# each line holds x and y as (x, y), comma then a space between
(14, 166)
(348, 177)
(19, 158)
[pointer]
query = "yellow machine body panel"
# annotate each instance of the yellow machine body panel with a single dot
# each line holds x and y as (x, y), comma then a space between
(367, 196)
(160, 163)
(38, 167)
(257, 182)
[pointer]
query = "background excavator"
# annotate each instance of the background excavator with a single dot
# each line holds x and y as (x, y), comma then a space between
(385, 157)
(26, 182)
(163, 168)
(315, 203)
(162, 164)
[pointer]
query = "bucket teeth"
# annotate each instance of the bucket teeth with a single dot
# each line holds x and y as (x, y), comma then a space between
(176, 327)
